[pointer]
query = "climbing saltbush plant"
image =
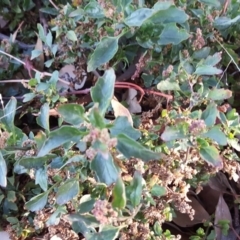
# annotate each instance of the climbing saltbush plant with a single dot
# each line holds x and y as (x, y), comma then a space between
(112, 178)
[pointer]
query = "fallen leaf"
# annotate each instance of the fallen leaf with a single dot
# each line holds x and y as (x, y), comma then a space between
(222, 213)
(120, 110)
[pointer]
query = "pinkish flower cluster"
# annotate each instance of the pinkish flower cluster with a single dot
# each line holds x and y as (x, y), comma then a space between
(168, 71)
(199, 41)
(103, 212)
(197, 127)
(100, 135)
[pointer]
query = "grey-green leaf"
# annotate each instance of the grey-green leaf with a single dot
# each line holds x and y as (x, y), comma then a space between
(121, 124)
(38, 202)
(104, 168)
(43, 118)
(207, 70)
(103, 53)
(67, 191)
(72, 113)
(103, 90)
(59, 137)
(41, 178)
(171, 34)
(211, 155)
(130, 148)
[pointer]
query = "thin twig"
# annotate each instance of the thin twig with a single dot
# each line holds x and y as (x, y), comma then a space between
(34, 69)
(54, 5)
(229, 55)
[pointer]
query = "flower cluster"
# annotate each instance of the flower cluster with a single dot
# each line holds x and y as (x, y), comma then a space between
(197, 127)
(101, 135)
(199, 41)
(103, 212)
(167, 72)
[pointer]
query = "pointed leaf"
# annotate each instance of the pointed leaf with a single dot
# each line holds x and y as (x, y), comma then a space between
(59, 137)
(9, 114)
(103, 53)
(37, 203)
(217, 135)
(166, 85)
(136, 189)
(210, 114)
(103, 90)
(72, 113)
(211, 155)
(119, 195)
(41, 178)
(130, 148)
(106, 232)
(43, 118)
(71, 35)
(35, 162)
(67, 191)
(104, 168)
(121, 124)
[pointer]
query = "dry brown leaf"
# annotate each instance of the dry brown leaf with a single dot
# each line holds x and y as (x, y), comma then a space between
(222, 213)
(206, 194)
(120, 110)
(201, 214)
(3, 22)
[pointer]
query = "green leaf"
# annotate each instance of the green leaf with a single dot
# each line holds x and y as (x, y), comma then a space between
(214, 3)
(49, 39)
(211, 155)
(77, 13)
(43, 118)
(130, 148)
(158, 191)
(35, 162)
(36, 53)
(121, 124)
(41, 178)
(210, 114)
(71, 35)
(28, 97)
(207, 70)
(174, 132)
(96, 118)
(119, 194)
(170, 15)
(94, 10)
(136, 189)
(58, 137)
(103, 90)
(48, 10)
(106, 232)
(103, 53)
(56, 216)
(104, 168)
(219, 94)
(72, 113)
(213, 60)
(3, 171)
(136, 18)
(222, 23)
(41, 32)
(67, 191)
(166, 85)
(9, 114)
(38, 202)
(86, 204)
(171, 34)
(217, 135)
